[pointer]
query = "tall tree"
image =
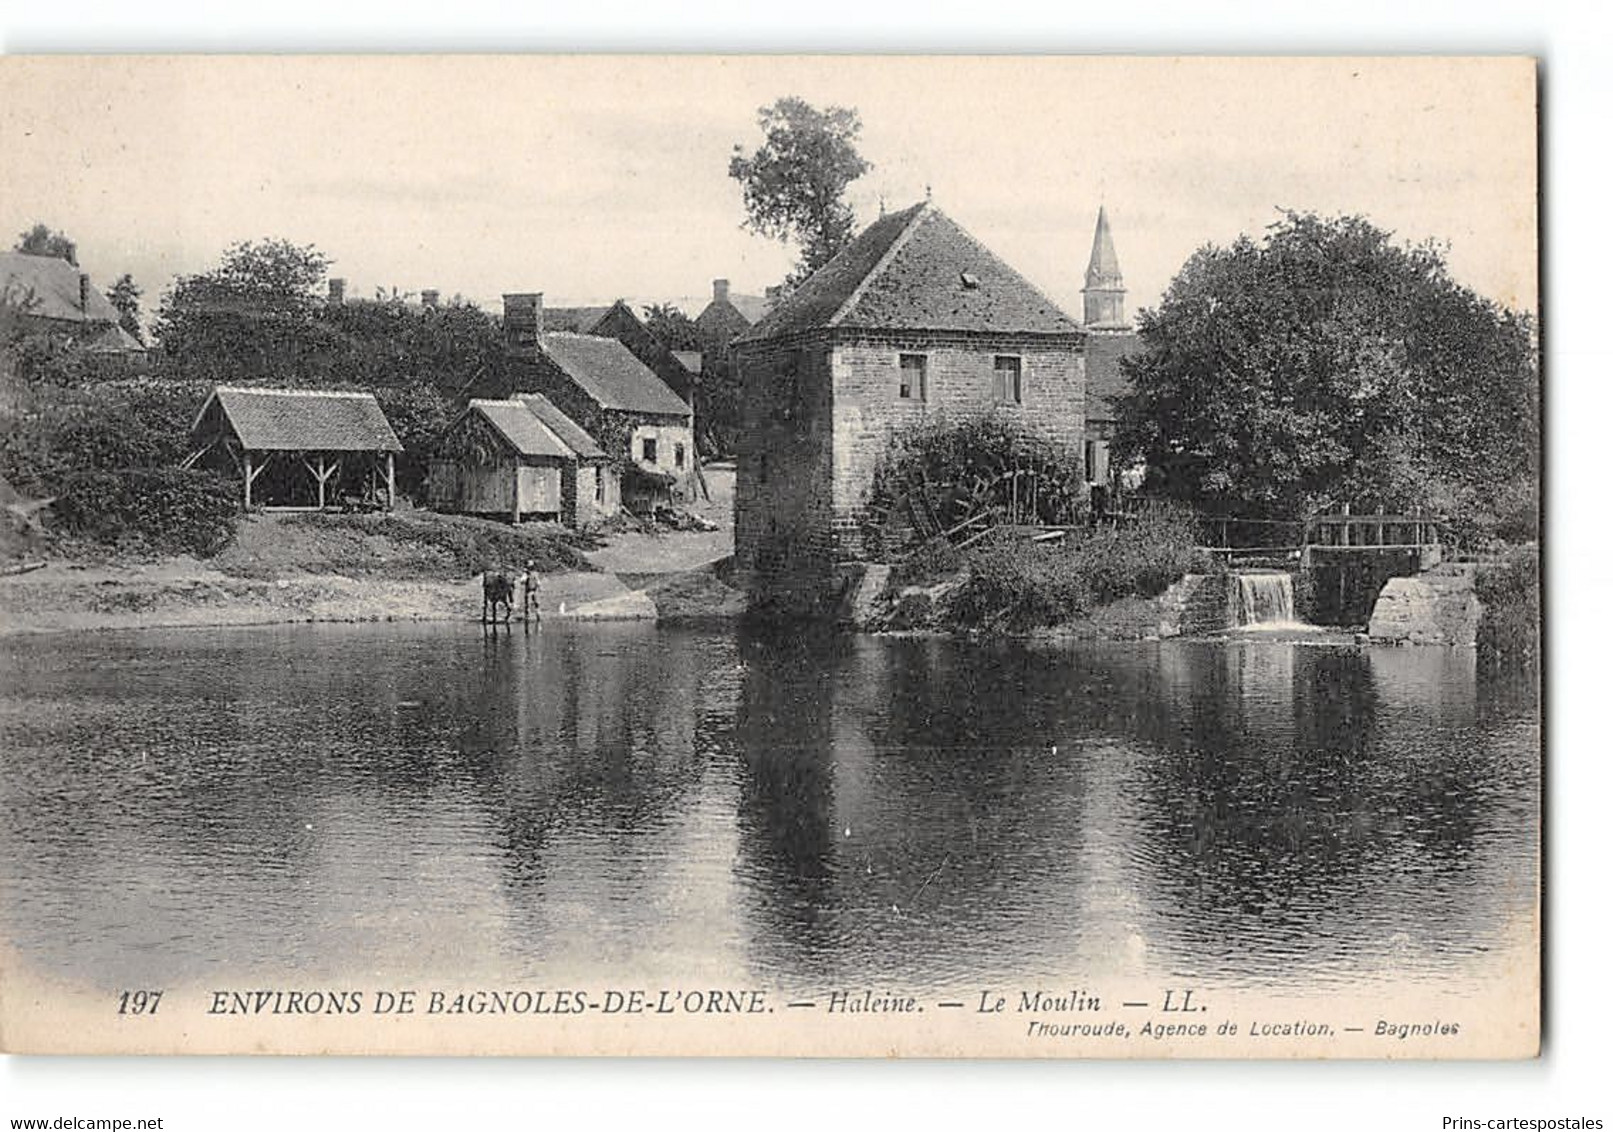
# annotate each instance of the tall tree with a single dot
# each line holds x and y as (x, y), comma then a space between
(250, 317)
(794, 184)
(125, 296)
(41, 240)
(1327, 364)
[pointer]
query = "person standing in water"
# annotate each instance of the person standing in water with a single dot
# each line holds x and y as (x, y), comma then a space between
(529, 591)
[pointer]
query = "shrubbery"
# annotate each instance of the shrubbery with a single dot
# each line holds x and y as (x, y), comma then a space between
(167, 510)
(1018, 585)
(1510, 593)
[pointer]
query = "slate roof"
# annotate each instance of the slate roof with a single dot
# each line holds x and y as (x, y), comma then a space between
(916, 270)
(573, 320)
(314, 420)
(521, 428)
(608, 372)
(571, 434)
(52, 285)
(1105, 382)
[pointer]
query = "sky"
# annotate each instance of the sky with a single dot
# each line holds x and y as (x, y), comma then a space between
(595, 177)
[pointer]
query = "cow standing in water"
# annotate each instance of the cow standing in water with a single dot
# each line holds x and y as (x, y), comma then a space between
(498, 588)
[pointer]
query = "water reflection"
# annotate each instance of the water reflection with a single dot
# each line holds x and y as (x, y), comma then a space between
(805, 811)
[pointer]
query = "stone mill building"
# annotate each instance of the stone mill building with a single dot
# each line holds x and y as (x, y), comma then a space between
(914, 318)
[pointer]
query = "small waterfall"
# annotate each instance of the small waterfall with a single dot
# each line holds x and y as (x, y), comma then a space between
(1264, 599)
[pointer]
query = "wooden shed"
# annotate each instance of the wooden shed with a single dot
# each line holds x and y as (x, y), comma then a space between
(503, 457)
(298, 449)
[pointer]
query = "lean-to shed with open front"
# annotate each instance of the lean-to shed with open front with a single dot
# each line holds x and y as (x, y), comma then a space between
(298, 449)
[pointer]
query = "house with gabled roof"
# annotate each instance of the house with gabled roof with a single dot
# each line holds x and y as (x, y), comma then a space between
(53, 295)
(520, 458)
(621, 322)
(915, 318)
(298, 449)
(727, 316)
(644, 428)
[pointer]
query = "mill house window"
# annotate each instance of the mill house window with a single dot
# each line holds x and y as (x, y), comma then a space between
(912, 385)
(649, 449)
(1005, 386)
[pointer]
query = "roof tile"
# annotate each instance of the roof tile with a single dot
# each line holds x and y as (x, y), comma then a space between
(608, 372)
(906, 271)
(305, 420)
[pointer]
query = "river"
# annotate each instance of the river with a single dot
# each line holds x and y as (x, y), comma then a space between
(371, 802)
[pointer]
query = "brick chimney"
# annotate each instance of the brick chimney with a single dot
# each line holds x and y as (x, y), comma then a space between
(523, 321)
(84, 293)
(719, 290)
(429, 297)
(338, 292)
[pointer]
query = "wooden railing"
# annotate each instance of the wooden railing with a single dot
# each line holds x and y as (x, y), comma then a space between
(1371, 532)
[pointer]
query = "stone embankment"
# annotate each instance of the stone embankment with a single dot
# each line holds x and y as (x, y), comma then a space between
(1436, 608)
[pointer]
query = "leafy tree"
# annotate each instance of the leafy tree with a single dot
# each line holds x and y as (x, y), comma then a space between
(125, 296)
(41, 240)
(794, 184)
(1326, 365)
(252, 317)
(671, 327)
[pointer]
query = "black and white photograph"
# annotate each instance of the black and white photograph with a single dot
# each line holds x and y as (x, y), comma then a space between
(966, 556)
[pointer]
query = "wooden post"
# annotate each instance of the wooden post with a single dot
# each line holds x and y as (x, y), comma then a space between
(322, 471)
(515, 492)
(391, 484)
(246, 478)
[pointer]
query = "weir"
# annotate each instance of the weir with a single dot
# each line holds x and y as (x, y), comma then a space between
(1263, 599)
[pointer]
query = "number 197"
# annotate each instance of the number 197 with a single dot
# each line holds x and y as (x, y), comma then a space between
(139, 1002)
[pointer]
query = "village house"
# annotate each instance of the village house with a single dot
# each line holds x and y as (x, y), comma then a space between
(645, 429)
(914, 318)
(49, 294)
(619, 321)
(298, 449)
(727, 316)
(1110, 339)
(521, 458)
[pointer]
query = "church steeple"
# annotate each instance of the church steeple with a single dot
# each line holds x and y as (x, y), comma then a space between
(1104, 296)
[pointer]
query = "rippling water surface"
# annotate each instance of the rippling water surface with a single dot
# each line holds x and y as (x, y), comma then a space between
(361, 802)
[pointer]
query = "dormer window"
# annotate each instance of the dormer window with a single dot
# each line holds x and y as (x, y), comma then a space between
(971, 282)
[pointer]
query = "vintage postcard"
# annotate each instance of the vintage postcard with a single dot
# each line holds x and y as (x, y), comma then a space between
(1012, 557)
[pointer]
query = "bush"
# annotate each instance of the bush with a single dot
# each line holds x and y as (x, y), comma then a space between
(168, 510)
(1510, 593)
(934, 560)
(106, 427)
(1019, 585)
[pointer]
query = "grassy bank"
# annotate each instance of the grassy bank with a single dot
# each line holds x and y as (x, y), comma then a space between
(1097, 577)
(398, 544)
